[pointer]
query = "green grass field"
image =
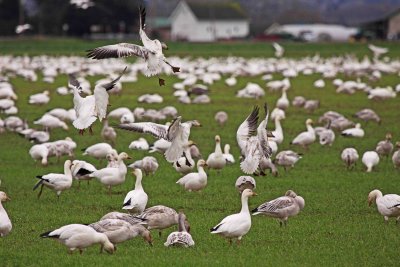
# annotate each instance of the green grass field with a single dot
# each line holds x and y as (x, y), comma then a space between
(336, 228)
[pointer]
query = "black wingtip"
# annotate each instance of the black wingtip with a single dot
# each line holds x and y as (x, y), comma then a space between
(127, 203)
(46, 235)
(254, 210)
(39, 176)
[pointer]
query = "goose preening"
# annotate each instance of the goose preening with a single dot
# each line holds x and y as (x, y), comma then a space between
(235, 226)
(181, 237)
(305, 139)
(368, 115)
(385, 147)
(253, 148)
(349, 156)
(5, 222)
(136, 200)
(151, 51)
(81, 169)
(98, 151)
(396, 156)
(388, 205)
(245, 182)
(326, 135)
(287, 158)
(148, 165)
(119, 231)
(195, 181)
(370, 159)
(58, 182)
(216, 160)
(185, 164)
(282, 207)
(161, 217)
(79, 236)
(177, 133)
(357, 131)
(227, 155)
(40, 152)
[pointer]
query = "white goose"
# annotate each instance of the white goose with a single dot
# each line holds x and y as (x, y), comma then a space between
(245, 182)
(370, 159)
(227, 155)
(279, 50)
(305, 139)
(140, 144)
(287, 158)
(388, 205)
(396, 156)
(185, 164)
(177, 133)
(354, 132)
(151, 51)
(236, 225)
(278, 132)
(56, 181)
(81, 170)
(136, 200)
(349, 156)
(182, 237)
(283, 101)
(195, 181)
(98, 151)
(148, 165)
(79, 236)
(40, 99)
(39, 152)
(216, 160)
(50, 122)
(5, 222)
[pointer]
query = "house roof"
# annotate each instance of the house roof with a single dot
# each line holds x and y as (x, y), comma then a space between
(217, 11)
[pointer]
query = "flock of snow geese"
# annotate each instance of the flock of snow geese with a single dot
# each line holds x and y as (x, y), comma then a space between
(257, 144)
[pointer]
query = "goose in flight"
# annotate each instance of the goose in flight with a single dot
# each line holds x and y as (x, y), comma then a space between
(151, 51)
(253, 148)
(177, 133)
(89, 108)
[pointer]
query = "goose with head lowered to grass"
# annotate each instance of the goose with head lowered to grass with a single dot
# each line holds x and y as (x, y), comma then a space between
(181, 237)
(136, 200)
(388, 205)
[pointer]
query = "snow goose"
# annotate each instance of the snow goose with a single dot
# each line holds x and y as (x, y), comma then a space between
(182, 237)
(151, 52)
(56, 181)
(39, 152)
(354, 132)
(236, 225)
(79, 236)
(63, 114)
(150, 98)
(245, 182)
(305, 139)
(287, 158)
(40, 99)
(298, 101)
(396, 156)
(216, 160)
(277, 112)
(81, 169)
(319, 83)
(148, 165)
(6, 104)
(349, 157)
(195, 181)
(385, 147)
(227, 155)
(98, 151)
(170, 111)
(267, 164)
(221, 117)
(231, 81)
(370, 159)
(381, 93)
(253, 148)
(118, 113)
(311, 105)
(161, 217)
(326, 135)
(140, 144)
(136, 200)
(38, 137)
(125, 217)
(282, 207)
(283, 101)
(127, 118)
(177, 133)
(108, 133)
(50, 122)
(160, 146)
(119, 231)
(388, 205)
(278, 132)
(185, 164)
(279, 50)
(368, 115)
(195, 152)
(112, 176)
(5, 222)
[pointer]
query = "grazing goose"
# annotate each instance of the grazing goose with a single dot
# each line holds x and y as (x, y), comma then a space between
(385, 147)
(282, 207)
(177, 133)
(221, 117)
(370, 159)
(40, 99)
(5, 223)
(228, 156)
(112, 176)
(140, 144)
(326, 135)
(235, 226)
(253, 148)
(81, 170)
(283, 102)
(39, 152)
(368, 115)
(185, 164)
(349, 157)
(79, 236)
(151, 51)
(50, 122)
(396, 156)
(216, 160)
(125, 217)
(56, 181)
(98, 151)
(119, 231)
(148, 165)
(305, 139)
(287, 158)
(108, 133)
(298, 101)
(161, 217)
(182, 237)
(136, 200)
(354, 132)
(388, 205)
(245, 182)
(195, 181)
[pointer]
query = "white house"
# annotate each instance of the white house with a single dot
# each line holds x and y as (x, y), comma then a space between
(196, 22)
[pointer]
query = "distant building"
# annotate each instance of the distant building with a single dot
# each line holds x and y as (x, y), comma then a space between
(387, 27)
(209, 22)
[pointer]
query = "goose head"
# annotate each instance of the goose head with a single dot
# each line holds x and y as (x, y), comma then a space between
(398, 144)
(290, 193)
(248, 193)
(358, 126)
(106, 244)
(64, 125)
(147, 237)
(309, 122)
(195, 123)
(137, 172)
(373, 195)
(124, 156)
(388, 136)
(68, 164)
(227, 148)
(3, 196)
(201, 163)
(217, 139)
(164, 46)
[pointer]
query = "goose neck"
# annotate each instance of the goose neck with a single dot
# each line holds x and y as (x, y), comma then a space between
(218, 149)
(138, 183)
(245, 204)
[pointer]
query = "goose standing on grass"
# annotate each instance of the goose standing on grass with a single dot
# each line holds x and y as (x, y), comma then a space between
(195, 181)
(5, 222)
(50, 122)
(349, 157)
(368, 115)
(278, 132)
(245, 182)
(56, 181)
(253, 148)
(185, 164)
(136, 200)
(388, 205)
(287, 158)
(177, 133)
(326, 135)
(354, 132)
(235, 226)
(305, 139)
(79, 236)
(182, 237)
(81, 170)
(148, 165)
(227, 155)
(108, 133)
(40, 99)
(385, 147)
(98, 151)
(119, 231)
(216, 160)
(161, 217)
(370, 159)
(151, 52)
(396, 156)
(282, 207)
(283, 101)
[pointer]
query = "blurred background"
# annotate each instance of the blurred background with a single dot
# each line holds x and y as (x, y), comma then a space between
(205, 21)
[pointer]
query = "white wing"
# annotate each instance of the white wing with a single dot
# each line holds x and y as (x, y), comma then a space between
(101, 97)
(247, 129)
(118, 50)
